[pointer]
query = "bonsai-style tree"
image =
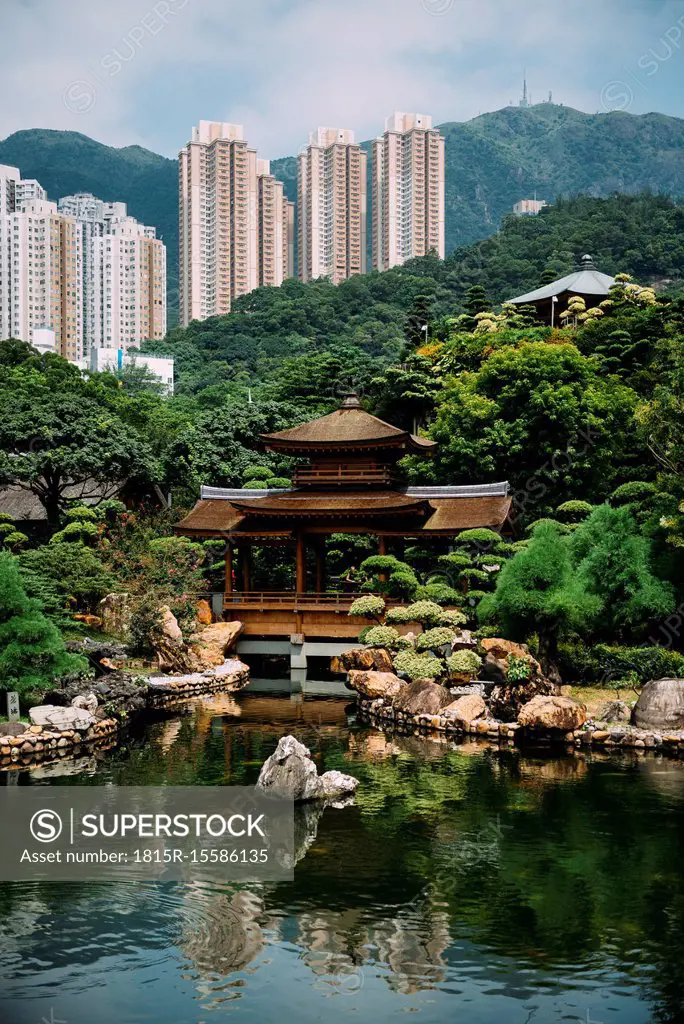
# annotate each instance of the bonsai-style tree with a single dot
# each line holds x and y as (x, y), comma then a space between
(539, 591)
(32, 653)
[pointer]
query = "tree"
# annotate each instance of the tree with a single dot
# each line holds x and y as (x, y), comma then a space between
(539, 592)
(60, 431)
(541, 415)
(612, 561)
(32, 653)
(417, 328)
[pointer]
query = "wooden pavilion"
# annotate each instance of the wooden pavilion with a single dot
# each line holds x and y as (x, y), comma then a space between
(348, 484)
(552, 299)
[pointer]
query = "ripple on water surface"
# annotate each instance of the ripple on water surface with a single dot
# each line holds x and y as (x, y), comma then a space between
(466, 883)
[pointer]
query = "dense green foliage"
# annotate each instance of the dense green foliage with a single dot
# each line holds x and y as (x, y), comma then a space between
(585, 421)
(32, 654)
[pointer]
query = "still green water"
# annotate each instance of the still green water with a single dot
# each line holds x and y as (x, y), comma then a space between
(467, 884)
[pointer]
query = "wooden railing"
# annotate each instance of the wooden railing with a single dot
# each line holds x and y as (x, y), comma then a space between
(291, 601)
(343, 474)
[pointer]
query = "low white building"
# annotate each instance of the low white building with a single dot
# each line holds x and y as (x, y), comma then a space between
(115, 359)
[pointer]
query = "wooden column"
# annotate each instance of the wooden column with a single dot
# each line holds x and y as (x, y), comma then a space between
(229, 570)
(301, 564)
(382, 550)
(246, 567)
(320, 566)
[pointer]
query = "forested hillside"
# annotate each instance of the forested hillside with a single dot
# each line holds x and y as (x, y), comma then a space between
(492, 161)
(360, 324)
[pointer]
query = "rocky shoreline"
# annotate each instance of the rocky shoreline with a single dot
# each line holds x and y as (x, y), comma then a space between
(505, 708)
(83, 717)
(592, 734)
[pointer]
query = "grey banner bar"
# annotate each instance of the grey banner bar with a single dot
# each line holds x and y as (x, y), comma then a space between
(144, 833)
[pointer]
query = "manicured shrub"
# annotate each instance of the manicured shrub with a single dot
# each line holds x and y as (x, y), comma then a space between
(428, 613)
(432, 639)
(574, 511)
(279, 481)
(369, 606)
(418, 666)
(452, 617)
(257, 473)
(439, 592)
(384, 636)
(464, 661)
(255, 485)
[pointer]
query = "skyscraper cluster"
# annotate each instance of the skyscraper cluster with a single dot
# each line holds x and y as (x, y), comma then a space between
(76, 275)
(237, 227)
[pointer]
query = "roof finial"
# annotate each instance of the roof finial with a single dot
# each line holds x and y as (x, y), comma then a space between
(350, 401)
(587, 262)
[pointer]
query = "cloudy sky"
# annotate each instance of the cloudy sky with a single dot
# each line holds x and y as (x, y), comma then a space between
(143, 71)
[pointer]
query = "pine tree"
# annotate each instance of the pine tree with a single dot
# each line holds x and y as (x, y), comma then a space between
(32, 653)
(417, 320)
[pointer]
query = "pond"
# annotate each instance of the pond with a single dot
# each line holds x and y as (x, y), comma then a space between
(467, 883)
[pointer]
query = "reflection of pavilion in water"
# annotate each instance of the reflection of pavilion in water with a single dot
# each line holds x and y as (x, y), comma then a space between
(227, 933)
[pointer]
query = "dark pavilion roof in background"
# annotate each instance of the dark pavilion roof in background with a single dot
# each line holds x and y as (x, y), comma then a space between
(586, 281)
(349, 428)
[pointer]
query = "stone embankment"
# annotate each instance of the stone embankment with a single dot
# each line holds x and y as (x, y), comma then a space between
(87, 716)
(529, 711)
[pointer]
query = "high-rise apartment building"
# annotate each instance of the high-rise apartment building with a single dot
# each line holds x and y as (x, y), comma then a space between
(231, 221)
(124, 275)
(41, 275)
(407, 175)
(81, 272)
(332, 199)
(275, 231)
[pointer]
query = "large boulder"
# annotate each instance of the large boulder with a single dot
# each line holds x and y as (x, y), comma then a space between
(116, 614)
(167, 639)
(465, 710)
(211, 645)
(553, 712)
(13, 728)
(496, 652)
(422, 697)
(613, 711)
(62, 719)
(660, 705)
(290, 773)
(203, 613)
(375, 684)
(507, 699)
(375, 659)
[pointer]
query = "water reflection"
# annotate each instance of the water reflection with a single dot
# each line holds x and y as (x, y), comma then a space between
(465, 879)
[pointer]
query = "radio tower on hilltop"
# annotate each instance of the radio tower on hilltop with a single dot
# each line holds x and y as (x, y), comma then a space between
(524, 101)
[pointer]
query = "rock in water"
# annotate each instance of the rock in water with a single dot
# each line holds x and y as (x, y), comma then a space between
(553, 713)
(290, 773)
(374, 684)
(660, 705)
(507, 700)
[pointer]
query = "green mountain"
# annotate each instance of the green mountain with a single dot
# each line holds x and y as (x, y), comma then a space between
(492, 161)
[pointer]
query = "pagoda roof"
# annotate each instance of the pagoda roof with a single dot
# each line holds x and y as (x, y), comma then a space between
(327, 503)
(413, 511)
(350, 426)
(585, 281)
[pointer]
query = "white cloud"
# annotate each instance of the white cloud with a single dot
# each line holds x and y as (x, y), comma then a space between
(283, 68)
